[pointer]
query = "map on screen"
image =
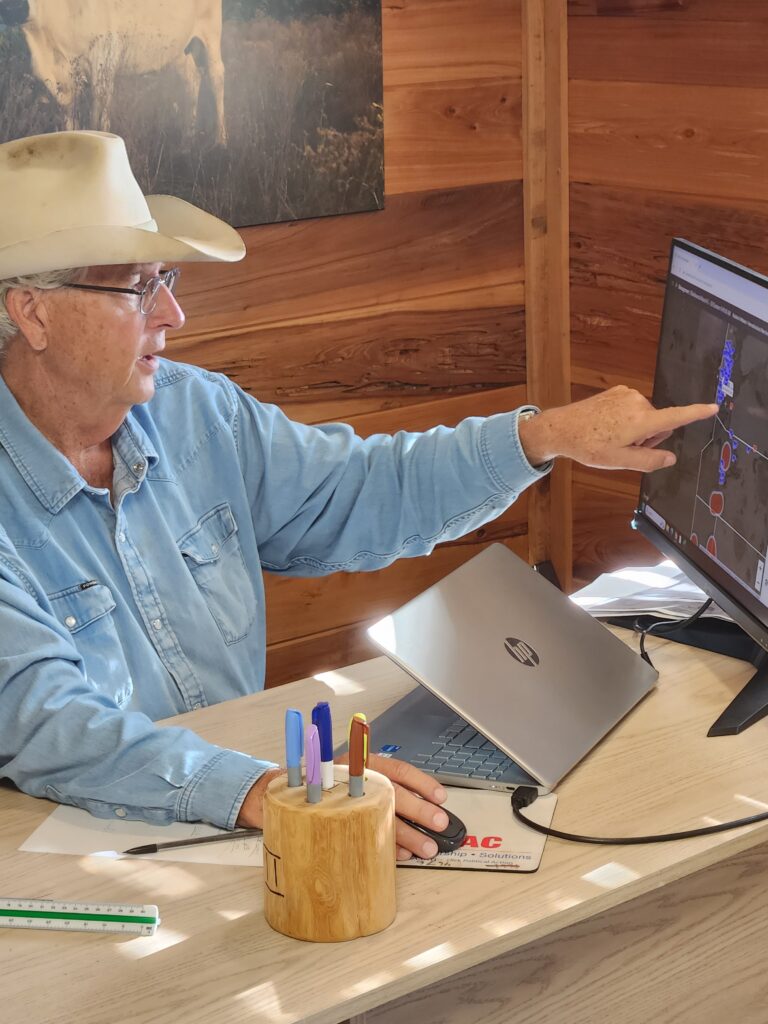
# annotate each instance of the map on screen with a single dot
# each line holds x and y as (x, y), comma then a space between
(714, 347)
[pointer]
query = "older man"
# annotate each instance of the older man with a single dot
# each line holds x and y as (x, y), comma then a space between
(140, 500)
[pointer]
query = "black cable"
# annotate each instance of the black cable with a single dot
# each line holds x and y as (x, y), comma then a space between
(524, 796)
(666, 626)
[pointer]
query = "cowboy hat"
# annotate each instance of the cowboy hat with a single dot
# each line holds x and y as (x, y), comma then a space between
(70, 200)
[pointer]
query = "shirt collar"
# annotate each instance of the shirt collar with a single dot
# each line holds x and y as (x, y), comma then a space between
(131, 442)
(50, 475)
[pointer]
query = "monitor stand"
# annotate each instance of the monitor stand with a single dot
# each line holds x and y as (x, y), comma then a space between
(721, 637)
(750, 704)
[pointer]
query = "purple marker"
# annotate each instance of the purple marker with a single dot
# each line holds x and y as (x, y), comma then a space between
(312, 760)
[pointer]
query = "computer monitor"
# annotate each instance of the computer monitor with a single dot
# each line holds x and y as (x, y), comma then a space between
(709, 513)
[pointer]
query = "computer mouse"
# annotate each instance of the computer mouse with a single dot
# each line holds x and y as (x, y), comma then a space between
(450, 838)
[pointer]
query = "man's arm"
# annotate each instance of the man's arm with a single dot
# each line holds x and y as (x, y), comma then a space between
(325, 500)
(61, 738)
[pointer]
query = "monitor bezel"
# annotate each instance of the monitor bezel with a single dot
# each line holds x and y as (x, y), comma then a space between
(729, 593)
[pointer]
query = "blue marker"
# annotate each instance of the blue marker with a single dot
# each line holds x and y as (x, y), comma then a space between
(294, 745)
(321, 717)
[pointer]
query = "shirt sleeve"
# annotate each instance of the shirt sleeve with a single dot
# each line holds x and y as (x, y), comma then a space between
(62, 739)
(325, 500)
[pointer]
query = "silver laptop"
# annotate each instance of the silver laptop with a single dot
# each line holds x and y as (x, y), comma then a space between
(518, 683)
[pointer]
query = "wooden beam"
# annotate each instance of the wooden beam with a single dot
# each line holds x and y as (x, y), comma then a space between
(545, 186)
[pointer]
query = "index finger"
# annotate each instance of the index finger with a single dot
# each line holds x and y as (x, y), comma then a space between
(675, 416)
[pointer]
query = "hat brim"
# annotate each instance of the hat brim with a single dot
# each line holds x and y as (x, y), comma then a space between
(184, 234)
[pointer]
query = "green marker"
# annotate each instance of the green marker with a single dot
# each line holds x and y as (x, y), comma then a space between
(65, 916)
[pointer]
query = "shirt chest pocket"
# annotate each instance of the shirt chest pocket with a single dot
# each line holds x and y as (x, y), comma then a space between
(212, 554)
(87, 614)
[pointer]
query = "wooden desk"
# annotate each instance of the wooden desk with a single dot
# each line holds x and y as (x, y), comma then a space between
(673, 932)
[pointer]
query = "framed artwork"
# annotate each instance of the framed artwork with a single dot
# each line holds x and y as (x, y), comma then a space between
(256, 110)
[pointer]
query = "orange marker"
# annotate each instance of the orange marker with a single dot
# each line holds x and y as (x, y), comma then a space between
(360, 717)
(357, 744)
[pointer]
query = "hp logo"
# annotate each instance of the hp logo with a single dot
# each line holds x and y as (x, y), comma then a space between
(522, 652)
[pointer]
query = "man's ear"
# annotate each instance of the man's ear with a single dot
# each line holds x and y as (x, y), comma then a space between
(27, 308)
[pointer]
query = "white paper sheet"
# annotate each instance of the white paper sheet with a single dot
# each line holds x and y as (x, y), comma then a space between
(661, 590)
(71, 830)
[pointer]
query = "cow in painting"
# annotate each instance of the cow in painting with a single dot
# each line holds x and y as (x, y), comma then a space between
(95, 41)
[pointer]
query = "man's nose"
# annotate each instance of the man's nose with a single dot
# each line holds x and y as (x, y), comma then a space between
(167, 313)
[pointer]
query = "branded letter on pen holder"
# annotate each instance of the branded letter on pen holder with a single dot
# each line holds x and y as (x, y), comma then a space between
(329, 868)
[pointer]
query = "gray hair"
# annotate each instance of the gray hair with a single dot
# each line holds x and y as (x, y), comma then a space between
(47, 279)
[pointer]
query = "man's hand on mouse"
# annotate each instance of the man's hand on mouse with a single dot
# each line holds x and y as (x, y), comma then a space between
(416, 797)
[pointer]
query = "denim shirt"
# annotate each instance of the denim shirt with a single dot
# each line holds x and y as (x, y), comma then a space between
(116, 612)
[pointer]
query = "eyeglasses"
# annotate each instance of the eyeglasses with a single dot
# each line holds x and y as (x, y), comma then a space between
(148, 294)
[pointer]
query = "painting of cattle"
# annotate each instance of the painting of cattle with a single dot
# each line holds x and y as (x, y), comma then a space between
(99, 41)
(257, 110)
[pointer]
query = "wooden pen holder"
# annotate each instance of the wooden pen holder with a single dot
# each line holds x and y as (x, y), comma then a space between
(329, 868)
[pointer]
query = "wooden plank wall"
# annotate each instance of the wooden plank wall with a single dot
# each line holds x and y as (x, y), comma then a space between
(547, 287)
(668, 136)
(403, 318)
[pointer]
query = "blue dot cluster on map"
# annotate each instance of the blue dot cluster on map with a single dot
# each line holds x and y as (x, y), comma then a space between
(723, 378)
(726, 367)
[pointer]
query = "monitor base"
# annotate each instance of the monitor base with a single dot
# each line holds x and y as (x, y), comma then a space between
(720, 637)
(748, 706)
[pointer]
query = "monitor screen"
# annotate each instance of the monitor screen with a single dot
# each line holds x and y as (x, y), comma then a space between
(710, 511)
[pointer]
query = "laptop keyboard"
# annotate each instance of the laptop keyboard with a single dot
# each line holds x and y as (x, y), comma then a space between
(461, 750)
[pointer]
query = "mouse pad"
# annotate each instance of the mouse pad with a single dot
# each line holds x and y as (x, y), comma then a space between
(495, 841)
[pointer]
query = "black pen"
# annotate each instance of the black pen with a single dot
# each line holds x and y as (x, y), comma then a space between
(242, 833)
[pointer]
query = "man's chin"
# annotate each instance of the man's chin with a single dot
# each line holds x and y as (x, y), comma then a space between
(143, 390)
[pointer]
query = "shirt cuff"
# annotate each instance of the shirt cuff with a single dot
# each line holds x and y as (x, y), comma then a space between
(216, 793)
(505, 456)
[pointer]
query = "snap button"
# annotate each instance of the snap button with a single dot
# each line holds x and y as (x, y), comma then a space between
(214, 549)
(121, 537)
(137, 467)
(196, 707)
(121, 812)
(70, 622)
(156, 624)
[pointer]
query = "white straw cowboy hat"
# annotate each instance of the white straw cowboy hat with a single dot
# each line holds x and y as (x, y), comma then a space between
(69, 199)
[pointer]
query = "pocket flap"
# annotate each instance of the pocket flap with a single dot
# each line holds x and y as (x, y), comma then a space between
(76, 608)
(204, 542)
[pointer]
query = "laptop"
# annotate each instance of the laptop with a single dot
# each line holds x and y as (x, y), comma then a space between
(517, 682)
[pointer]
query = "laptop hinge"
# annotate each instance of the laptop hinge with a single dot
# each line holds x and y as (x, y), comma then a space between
(547, 570)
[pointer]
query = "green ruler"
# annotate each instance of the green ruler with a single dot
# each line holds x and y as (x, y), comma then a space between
(66, 916)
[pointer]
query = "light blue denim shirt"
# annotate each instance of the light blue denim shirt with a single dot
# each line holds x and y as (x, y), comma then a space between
(116, 613)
